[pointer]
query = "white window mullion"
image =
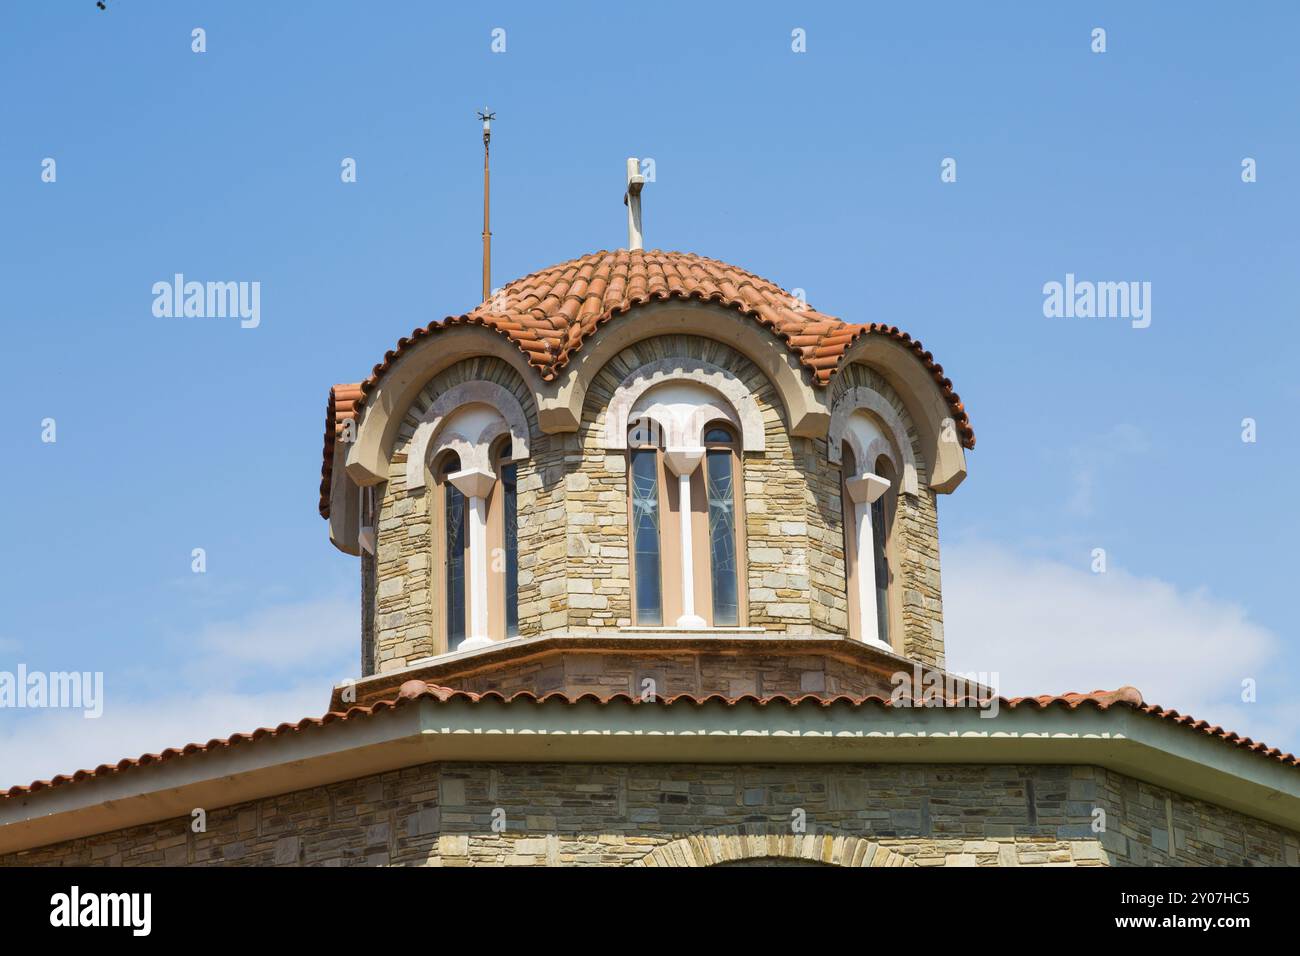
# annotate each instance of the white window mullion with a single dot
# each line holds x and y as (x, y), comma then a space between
(476, 484)
(864, 490)
(683, 462)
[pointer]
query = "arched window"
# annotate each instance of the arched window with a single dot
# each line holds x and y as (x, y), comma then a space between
(869, 494)
(882, 526)
(644, 513)
(475, 523)
(685, 424)
(503, 546)
(722, 465)
(453, 553)
(509, 481)
(684, 513)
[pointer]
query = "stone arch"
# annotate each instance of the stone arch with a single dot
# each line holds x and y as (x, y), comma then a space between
(927, 408)
(864, 399)
(389, 401)
(432, 422)
(681, 368)
(804, 408)
(751, 842)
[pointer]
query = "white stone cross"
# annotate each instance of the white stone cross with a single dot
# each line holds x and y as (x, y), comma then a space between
(632, 199)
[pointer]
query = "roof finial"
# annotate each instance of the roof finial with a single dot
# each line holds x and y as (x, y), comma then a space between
(632, 199)
(487, 119)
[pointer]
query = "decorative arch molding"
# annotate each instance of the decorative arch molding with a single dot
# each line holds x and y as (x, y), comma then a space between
(559, 403)
(438, 423)
(927, 408)
(873, 449)
(804, 407)
(865, 449)
(345, 509)
(387, 404)
(736, 394)
(751, 842)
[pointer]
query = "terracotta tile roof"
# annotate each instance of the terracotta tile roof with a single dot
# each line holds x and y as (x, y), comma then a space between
(1214, 730)
(419, 690)
(551, 313)
(342, 407)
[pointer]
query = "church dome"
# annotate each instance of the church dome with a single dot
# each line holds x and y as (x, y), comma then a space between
(550, 313)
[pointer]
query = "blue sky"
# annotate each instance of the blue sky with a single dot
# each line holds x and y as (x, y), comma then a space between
(817, 170)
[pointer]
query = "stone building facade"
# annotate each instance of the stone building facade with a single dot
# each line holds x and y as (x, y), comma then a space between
(574, 573)
(693, 814)
(651, 575)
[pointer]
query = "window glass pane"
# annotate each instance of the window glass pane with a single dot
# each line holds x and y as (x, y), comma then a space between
(880, 535)
(717, 434)
(722, 538)
(645, 537)
(644, 433)
(455, 524)
(511, 521)
(848, 540)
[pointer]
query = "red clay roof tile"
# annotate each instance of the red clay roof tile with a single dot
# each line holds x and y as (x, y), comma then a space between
(551, 313)
(342, 408)
(420, 690)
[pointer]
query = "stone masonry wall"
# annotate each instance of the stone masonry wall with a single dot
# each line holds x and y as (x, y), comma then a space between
(703, 673)
(619, 814)
(573, 523)
(1203, 835)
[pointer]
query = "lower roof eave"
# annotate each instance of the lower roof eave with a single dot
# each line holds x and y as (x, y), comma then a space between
(426, 730)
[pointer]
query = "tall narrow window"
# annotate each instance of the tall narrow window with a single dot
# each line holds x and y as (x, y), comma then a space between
(720, 478)
(502, 539)
(882, 520)
(454, 534)
(686, 516)
(644, 481)
(466, 452)
(511, 521)
(849, 523)
(880, 539)
(870, 499)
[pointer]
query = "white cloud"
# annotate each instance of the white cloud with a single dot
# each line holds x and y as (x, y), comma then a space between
(1044, 626)
(43, 743)
(1103, 453)
(286, 636)
(1048, 628)
(275, 665)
